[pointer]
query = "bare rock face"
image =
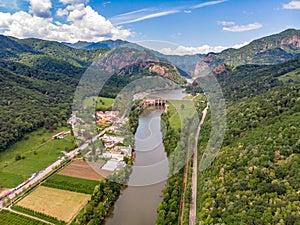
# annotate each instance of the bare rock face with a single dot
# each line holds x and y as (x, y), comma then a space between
(123, 57)
(220, 69)
(294, 41)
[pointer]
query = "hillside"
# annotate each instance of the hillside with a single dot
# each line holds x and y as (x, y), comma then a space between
(247, 81)
(255, 176)
(38, 79)
(108, 44)
(267, 50)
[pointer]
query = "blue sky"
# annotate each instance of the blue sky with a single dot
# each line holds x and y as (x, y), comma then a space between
(196, 26)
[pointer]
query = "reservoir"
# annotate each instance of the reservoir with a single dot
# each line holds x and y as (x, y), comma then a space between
(137, 204)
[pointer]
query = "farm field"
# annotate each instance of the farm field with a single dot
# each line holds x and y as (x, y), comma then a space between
(38, 151)
(10, 218)
(81, 169)
(71, 183)
(57, 203)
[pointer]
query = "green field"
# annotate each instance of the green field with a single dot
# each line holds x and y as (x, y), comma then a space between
(180, 110)
(102, 103)
(71, 183)
(39, 151)
(10, 218)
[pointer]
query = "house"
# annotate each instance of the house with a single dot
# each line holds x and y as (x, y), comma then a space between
(113, 165)
(127, 151)
(61, 135)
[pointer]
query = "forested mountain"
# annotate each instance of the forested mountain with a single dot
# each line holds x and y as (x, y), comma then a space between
(38, 79)
(108, 44)
(267, 50)
(247, 81)
(255, 176)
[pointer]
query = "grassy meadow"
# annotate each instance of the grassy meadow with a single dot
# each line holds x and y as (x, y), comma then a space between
(38, 151)
(102, 103)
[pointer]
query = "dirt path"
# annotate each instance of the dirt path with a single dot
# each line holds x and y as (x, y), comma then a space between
(193, 206)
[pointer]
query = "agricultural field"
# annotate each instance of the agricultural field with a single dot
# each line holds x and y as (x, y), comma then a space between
(81, 169)
(61, 204)
(71, 183)
(31, 154)
(102, 103)
(10, 218)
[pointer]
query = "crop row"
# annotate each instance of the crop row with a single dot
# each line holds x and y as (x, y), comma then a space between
(71, 184)
(10, 218)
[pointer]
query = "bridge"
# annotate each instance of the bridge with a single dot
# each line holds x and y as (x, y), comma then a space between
(154, 102)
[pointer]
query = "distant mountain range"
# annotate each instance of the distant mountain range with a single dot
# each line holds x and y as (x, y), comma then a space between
(272, 49)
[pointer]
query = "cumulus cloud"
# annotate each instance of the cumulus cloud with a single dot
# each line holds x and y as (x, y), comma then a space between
(41, 8)
(204, 49)
(61, 12)
(242, 28)
(83, 23)
(292, 5)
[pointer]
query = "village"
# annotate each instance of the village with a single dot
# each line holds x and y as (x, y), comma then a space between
(110, 145)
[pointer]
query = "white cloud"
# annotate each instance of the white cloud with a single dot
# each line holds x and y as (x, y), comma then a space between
(106, 3)
(201, 5)
(149, 13)
(73, 2)
(226, 23)
(242, 28)
(83, 24)
(139, 15)
(292, 5)
(237, 46)
(204, 49)
(62, 12)
(11, 4)
(41, 8)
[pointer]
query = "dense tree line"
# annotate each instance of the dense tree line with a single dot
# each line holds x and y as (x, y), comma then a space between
(103, 198)
(168, 210)
(255, 177)
(134, 114)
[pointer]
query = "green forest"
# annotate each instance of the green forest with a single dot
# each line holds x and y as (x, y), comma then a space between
(255, 176)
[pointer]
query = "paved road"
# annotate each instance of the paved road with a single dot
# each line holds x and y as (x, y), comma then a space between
(50, 168)
(193, 206)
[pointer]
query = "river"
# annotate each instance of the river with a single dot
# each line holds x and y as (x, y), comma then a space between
(137, 204)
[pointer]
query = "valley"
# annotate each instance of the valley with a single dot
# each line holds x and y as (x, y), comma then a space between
(47, 145)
